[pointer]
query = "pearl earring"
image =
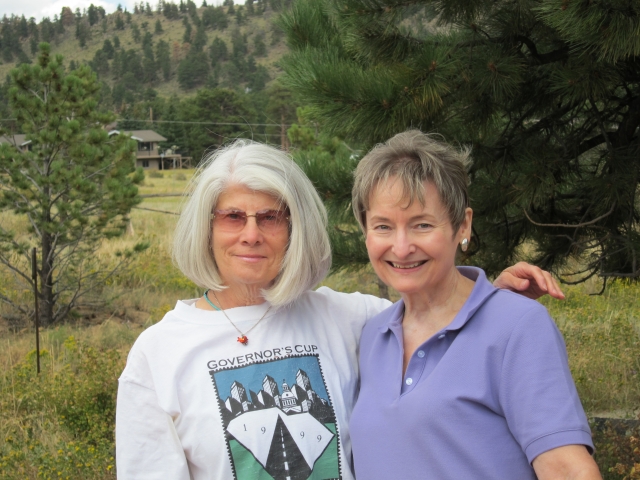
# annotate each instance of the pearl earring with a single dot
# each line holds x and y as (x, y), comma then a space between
(464, 244)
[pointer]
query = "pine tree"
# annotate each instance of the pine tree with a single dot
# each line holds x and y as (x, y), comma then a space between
(218, 51)
(158, 29)
(74, 185)
(547, 93)
(163, 58)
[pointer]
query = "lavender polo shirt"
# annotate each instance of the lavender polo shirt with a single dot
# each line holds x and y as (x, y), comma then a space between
(480, 399)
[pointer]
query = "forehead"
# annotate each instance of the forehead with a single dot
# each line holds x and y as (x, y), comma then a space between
(243, 198)
(391, 195)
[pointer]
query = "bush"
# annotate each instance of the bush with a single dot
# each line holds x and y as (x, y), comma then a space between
(618, 449)
(155, 174)
(60, 424)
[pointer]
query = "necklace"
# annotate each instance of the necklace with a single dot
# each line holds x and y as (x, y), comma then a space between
(243, 335)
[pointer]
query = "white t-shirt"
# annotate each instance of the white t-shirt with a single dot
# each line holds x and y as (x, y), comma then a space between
(193, 403)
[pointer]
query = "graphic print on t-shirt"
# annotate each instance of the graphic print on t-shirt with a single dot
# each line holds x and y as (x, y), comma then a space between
(278, 419)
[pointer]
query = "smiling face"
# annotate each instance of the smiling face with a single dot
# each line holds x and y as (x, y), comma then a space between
(412, 248)
(250, 257)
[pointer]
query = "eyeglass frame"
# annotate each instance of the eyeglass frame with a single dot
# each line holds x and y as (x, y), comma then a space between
(212, 216)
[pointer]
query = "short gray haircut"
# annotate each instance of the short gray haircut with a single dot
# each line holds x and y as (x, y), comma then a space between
(414, 157)
(265, 169)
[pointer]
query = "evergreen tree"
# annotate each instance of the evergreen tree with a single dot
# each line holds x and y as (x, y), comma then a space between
(149, 66)
(218, 51)
(74, 186)
(93, 15)
(186, 37)
(259, 47)
(193, 70)
(47, 30)
(100, 63)
(239, 47)
(107, 48)
(214, 105)
(158, 29)
(23, 27)
(248, 4)
(135, 32)
(83, 32)
(240, 18)
(200, 38)
(163, 58)
(119, 22)
(547, 93)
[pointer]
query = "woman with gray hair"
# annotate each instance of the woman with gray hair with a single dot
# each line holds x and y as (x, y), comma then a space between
(459, 380)
(257, 378)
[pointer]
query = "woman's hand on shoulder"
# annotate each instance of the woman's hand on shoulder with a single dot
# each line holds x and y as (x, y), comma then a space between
(528, 280)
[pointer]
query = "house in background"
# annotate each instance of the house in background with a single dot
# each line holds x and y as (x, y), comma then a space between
(148, 156)
(19, 141)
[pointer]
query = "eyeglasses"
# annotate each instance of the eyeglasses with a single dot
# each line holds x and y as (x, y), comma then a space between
(235, 220)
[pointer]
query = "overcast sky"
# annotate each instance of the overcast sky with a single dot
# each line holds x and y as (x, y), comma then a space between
(47, 8)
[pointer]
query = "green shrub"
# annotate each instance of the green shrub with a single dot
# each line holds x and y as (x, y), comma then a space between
(155, 174)
(618, 450)
(60, 424)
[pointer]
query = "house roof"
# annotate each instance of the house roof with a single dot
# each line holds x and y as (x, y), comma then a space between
(18, 139)
(142, 135)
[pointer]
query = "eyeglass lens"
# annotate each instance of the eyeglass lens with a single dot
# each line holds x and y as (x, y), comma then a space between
(234, 220)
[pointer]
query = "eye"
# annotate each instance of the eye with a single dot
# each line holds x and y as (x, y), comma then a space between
(423, 226)
(381, 228)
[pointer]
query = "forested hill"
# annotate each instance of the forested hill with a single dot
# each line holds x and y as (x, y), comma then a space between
(170, 62)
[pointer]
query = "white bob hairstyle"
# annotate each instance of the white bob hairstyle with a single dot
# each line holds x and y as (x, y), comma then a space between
(265, 169)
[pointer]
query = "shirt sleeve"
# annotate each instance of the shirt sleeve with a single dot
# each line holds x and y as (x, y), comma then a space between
(537, 393)
(147, 445)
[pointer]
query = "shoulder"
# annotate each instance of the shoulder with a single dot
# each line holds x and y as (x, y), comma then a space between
(514, 309)
(346, 310)
(345, 303)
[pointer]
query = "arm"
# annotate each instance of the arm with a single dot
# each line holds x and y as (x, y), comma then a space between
(147, 445)
(571, 462)
(528, 280)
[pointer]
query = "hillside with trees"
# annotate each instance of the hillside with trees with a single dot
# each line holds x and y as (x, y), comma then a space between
(169, 63)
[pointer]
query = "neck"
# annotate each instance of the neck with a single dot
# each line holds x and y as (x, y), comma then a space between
(431, 306)
(238, 296)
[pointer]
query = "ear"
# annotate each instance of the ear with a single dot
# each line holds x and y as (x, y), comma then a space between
(465, 227)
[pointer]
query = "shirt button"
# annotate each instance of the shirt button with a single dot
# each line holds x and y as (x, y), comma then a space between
(409, 381)
(421, 353)
(440, 337)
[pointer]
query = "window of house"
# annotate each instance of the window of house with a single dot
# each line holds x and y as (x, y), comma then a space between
(145, 163)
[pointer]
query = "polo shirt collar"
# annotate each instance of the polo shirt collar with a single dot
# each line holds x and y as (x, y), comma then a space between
(482, 290)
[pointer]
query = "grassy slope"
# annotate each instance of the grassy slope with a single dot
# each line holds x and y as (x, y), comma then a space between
(68, 46)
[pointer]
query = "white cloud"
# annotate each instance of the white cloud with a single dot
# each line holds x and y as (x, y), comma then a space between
(44, 8)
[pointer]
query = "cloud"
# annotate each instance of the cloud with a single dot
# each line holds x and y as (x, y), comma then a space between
(45, 8)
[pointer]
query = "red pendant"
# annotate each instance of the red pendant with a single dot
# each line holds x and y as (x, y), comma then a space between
(243, 340)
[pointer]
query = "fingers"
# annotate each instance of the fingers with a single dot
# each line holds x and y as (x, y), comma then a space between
(541, 281)
(506, 280)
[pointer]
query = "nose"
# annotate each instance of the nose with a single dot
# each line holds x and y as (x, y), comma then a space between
(251, 234)
(402, 244)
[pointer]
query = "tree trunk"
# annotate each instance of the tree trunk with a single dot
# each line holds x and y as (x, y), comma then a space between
(46, 282)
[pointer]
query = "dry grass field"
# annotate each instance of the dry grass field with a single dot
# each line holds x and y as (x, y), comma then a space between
(59, 424)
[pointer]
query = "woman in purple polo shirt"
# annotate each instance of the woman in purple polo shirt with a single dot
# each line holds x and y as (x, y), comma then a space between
(459, 380)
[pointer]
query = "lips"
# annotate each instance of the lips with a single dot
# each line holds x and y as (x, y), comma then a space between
(408, 265)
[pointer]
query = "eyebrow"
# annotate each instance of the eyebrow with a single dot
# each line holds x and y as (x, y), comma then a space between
(424, 216)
